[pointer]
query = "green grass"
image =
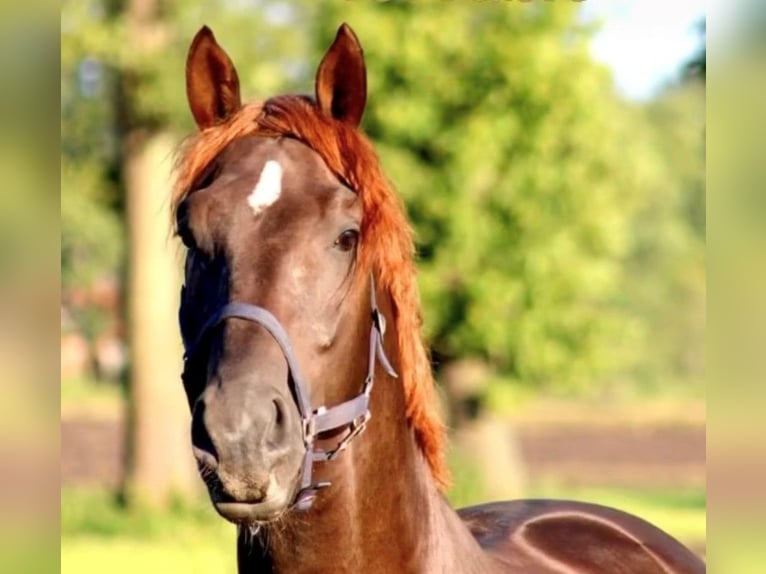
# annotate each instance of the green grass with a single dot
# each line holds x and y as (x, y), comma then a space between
(98, 534)
(738, 544)
(98, 513)
(85, 555)
(91, 397)
(28, 549)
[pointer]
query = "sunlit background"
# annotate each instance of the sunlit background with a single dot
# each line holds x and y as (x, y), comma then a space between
(552, 160)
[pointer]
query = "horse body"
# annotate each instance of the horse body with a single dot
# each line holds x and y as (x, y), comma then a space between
(554, 536)
(300, 291)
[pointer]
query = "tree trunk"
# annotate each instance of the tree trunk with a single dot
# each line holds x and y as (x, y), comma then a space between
(160, 459)
(486, 443)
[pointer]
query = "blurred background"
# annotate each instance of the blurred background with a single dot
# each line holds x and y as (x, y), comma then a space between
(551, 156)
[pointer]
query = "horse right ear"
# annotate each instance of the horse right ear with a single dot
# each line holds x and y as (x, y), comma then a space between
(212, 84)
(341, 80)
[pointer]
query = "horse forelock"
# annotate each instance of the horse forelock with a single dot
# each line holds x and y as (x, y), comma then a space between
(387, 244)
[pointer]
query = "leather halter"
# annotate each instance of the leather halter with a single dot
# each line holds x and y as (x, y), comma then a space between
(353, 413)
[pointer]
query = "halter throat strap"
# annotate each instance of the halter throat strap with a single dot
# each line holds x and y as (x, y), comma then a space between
(352, 414)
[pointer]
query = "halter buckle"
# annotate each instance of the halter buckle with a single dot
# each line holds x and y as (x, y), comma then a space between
(310, 426)
(356, 427)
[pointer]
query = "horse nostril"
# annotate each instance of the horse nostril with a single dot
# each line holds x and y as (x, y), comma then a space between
(279, 431)
(279, 416)
(202, 444)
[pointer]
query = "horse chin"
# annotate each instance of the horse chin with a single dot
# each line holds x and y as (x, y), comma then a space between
(272, 507)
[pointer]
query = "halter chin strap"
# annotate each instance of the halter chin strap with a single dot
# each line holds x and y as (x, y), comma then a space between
(353, 413)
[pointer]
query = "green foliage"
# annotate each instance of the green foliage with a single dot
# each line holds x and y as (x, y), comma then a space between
(96, 531)
(91, 233)
(667, 263)
(98, 513)
(268, 44)
(467, 483)
(92, 242)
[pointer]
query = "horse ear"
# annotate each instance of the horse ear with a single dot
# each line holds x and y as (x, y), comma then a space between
(212, 84)
(341, 82)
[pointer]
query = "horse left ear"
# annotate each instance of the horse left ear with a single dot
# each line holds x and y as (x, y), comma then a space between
(341, 82)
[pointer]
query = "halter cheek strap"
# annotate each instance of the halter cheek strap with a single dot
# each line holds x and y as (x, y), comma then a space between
(353, 413)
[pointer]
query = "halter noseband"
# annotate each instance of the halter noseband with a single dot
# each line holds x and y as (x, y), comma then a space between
(353, 413)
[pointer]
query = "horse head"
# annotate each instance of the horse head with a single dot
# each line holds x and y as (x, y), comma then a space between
(279, 309)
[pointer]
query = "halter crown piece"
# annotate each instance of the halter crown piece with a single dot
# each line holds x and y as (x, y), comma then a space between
(353, 413)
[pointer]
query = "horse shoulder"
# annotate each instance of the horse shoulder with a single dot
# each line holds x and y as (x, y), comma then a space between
(557, 536)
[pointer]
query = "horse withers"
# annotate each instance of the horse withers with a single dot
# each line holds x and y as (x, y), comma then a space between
(301, 321)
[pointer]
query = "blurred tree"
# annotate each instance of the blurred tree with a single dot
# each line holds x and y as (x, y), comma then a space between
(159, 461)
(92, 244)
(521, 171)
(666, 268)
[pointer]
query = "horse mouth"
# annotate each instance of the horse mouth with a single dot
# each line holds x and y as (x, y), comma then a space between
(249, 512)
(274, 504)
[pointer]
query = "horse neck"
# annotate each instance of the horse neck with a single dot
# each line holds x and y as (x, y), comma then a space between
(382, 513)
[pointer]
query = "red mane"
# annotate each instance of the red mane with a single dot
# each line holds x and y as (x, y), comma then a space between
(387, 244)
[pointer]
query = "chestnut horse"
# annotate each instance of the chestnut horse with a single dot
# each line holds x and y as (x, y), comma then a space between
(301, 322)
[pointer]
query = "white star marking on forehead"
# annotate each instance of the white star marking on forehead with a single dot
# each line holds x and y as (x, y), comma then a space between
(268, 188)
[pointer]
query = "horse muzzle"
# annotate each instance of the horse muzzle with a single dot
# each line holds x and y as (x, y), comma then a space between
(249, 455)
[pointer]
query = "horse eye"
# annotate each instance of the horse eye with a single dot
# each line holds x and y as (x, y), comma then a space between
(347, 240)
